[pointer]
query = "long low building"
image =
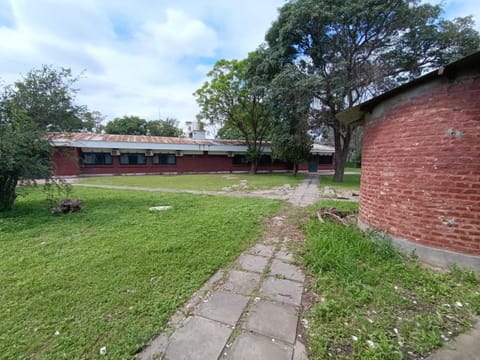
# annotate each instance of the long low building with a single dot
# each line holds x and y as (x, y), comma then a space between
(97, 154)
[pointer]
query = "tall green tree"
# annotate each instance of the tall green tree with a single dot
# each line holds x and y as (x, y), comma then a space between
(48, 97)
(43, 100)
(168, 127)
(291, 99)
(237, 97)
(358, 49)
(127, 125)
(23, 151)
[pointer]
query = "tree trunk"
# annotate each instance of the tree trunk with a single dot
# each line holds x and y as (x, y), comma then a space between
(8, 183)
(254, 167)
(339, 167)
(295, 169)
(342, 144)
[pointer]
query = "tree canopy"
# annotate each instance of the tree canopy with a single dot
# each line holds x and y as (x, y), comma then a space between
(43, 100)
(291, 96)
(236, 97)
(167, 127)
(127, 125)
(48, 97)
(134, 125)
(357, 49)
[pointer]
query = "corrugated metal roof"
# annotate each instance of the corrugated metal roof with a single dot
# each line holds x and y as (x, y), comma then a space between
(106, 141)
(124, 138)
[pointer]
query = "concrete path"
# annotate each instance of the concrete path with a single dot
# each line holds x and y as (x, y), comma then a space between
(253, 194)
(307, 193)
(464, 347)
(250, 311)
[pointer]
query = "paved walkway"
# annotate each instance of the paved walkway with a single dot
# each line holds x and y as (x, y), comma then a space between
(248, 312)
(255, 194)
(465, 347)
(307, 193)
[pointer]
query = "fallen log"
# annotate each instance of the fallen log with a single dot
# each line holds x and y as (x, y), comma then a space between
(342, 217)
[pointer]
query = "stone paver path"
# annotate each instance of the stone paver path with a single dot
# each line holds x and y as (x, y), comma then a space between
(307, 193)
(253, 194)
(249, 312)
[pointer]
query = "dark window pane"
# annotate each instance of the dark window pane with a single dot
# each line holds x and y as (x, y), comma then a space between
(240, 159)
(265, 160)
(132, 159)
(97, 159)
(164, 159)
(325, 159)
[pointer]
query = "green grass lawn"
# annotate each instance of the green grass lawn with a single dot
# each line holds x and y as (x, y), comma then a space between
(112, 274)
(212, 182)
(377, 303)
(353, 169)
(350, 182)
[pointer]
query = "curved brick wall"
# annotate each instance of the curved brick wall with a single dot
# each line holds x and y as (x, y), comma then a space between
(421, 166)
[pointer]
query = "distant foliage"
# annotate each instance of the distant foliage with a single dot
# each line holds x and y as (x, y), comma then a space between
(134, 125)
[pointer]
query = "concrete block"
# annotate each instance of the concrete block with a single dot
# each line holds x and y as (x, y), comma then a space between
(286, 291)
(262, 250)
(274, 320)
(287, 271)
(252, 262)
(199, 339)
(250, 346)
(299, 351)
(155, 349)
(223, 306)
(241, 282)
(284, 255)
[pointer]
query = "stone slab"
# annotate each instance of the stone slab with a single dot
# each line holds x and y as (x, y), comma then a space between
(274, 320)
(252, 262)
(155, 349)
(464, 347)
(241, 282)
(223, 306)
(262, 250)
(299, 351)
(199, 339)
(249, 346)
(284, 255)
(286, 291)
(287, 271)
(271, 241)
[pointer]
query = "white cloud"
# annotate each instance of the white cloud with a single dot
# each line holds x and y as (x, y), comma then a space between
(142, 57)
(179, 36)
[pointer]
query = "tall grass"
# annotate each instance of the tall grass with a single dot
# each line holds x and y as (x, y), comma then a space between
(377, 303)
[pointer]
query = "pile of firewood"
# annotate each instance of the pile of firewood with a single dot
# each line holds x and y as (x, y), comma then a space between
(67, 206)
(341, 217)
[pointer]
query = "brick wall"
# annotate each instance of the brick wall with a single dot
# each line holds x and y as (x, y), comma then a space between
(421, 166)
(65, 161)
(185, 164)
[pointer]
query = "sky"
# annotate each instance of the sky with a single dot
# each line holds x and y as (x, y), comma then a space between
(140, 57)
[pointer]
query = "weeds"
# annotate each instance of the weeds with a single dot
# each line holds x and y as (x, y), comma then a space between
(380, 303)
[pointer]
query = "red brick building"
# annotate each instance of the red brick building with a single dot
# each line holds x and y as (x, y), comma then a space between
(96, 154)
(421, 164)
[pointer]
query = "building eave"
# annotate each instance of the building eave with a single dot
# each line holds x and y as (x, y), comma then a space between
(360, 112)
